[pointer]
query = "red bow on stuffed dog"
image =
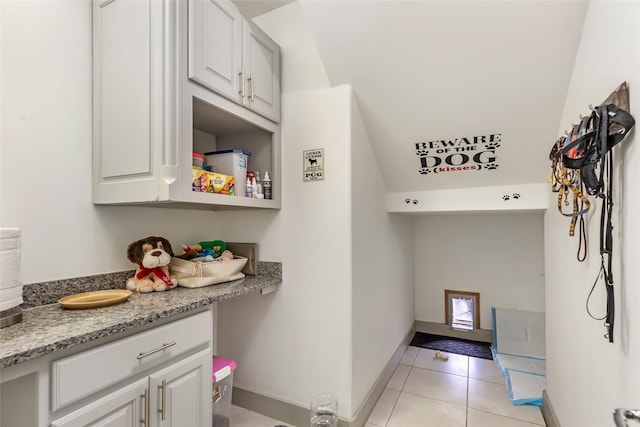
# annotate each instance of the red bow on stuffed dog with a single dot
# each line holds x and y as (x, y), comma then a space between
(158, 271)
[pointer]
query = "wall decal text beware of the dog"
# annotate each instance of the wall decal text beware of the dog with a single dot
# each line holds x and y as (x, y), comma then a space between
(460, 154)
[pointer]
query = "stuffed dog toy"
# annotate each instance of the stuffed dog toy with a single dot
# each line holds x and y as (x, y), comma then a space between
(152, 255)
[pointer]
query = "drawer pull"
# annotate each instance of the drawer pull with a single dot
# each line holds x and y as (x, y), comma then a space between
(162, 347)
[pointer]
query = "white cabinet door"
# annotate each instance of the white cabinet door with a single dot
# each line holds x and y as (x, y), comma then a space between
(233, 57)
(261, 61)
(131, 121)
(183, 393)
(123, 408)
(215, 46)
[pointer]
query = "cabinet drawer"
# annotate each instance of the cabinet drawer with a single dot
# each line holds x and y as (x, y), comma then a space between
(85, 373)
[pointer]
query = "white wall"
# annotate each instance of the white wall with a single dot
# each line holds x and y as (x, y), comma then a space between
(383, 281)
(499, 255)
(587, 377)
(45, 179)
(296, 343)
(340, 314)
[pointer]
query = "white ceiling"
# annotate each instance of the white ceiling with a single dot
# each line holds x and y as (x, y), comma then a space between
(443, 70)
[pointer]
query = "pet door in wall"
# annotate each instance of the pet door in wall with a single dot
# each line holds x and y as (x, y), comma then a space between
(462, 310)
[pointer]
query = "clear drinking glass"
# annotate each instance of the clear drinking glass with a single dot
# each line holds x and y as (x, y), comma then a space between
(324, 411)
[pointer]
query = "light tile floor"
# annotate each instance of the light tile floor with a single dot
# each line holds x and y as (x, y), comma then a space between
(428, 392)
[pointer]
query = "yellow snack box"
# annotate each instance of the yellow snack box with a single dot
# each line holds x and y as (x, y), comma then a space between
(222, 184)
(199, 180)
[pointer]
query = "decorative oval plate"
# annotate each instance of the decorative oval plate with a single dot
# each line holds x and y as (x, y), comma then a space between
(94, 299)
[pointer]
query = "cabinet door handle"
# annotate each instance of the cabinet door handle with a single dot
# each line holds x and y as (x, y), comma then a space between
(251, 87)
(162, 347)
(241, 91)
(163, 408)
(145, 415)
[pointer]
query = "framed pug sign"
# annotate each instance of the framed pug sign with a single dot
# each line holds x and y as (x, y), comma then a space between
(313, 165)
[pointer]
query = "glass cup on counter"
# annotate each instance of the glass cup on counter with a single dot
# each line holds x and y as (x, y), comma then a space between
(324, 411)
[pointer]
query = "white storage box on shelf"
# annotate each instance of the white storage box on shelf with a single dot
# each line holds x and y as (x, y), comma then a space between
(192, 274)
(222, 388)
(231, 162)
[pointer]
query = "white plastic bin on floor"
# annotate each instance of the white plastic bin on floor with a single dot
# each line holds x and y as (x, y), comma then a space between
(222, 388)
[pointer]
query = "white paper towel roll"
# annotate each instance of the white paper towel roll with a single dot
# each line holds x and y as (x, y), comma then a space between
(10, 282)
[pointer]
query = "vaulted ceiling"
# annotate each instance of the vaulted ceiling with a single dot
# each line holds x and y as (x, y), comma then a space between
(453, 93)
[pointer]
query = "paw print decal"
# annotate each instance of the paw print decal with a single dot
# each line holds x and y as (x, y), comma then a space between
(407, 201)
(492, 146)
(424, 171)
(516, 195)
(415, 202)
(491, 166)
(506, 197)
(422, 152)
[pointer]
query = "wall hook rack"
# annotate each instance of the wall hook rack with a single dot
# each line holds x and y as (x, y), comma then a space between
(571, 155)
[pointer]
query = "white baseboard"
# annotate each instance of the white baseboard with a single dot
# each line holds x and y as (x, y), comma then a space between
(549, 416)
(271, 407)
(483, 335)
(299, 416)
(381, 383)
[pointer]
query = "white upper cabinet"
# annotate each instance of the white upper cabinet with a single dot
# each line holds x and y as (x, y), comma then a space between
(261, 60)
(232, 56)
(215, 47)
(170, 80)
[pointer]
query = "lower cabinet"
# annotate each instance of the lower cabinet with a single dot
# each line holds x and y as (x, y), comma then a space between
(160, 377)
(177, 395)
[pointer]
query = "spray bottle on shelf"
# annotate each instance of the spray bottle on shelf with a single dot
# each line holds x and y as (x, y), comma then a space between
(258, 183)
(254, 188)
(249, 189)
(266, 185)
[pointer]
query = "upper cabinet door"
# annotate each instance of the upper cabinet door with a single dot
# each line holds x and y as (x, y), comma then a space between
(215, 46)
(261, 62)
(128, 99)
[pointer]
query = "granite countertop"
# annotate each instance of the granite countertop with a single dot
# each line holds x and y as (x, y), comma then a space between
(48, 328)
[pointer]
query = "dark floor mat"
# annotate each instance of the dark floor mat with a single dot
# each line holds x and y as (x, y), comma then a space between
(453, 345)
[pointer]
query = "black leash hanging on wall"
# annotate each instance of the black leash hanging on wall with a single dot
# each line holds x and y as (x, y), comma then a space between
(582, 162)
